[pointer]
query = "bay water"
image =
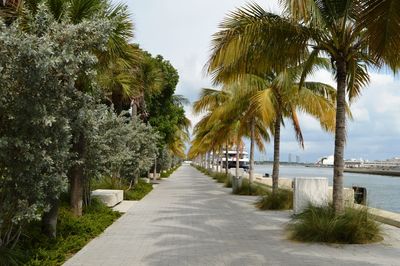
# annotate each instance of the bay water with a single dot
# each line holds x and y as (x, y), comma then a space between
(383, 192)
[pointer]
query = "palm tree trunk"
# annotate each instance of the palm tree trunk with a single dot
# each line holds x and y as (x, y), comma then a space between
(237, 159)
(277, 142)
(340, 137)
(226, 158)
(220, 159)
(213, 160)
(251, 168)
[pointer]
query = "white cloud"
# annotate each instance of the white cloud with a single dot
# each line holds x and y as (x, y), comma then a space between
(181, 30)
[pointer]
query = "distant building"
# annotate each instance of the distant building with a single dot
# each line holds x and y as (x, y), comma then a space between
(325, 161)
(297, 159)
(290, 158)
(389, 163)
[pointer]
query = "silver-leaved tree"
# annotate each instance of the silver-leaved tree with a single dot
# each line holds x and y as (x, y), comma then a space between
(40, 60)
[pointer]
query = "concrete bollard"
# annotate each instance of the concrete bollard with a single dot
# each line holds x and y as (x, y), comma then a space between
(309, 191)
(236, 181)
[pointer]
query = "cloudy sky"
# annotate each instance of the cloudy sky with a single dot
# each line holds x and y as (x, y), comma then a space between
(181, 30)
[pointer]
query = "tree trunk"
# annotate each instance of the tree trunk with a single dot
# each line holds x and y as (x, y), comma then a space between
(251, 167)
(208, 160)
(226, 158)
(155, 169)
(340, 137)
(237, 160)
(133, 108)
(213, 160)
(117, 100)
(76, 179)
(49, 220)
(277, 140)
(220, 160)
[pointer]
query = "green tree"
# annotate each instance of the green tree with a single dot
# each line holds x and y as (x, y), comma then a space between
(323, 27)
(36, 89)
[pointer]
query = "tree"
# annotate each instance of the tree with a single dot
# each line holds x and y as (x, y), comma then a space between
(118, 53)
(325, 27)
(36, 89)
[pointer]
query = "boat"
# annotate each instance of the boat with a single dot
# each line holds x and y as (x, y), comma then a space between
(243, 159)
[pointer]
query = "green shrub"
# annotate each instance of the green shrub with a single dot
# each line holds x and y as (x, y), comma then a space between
(320, 224)
(10, 257)
(138, 192)
(168, 172)
(281, 200)
(251, 189)
(72, 234)
(220, 177)
(228, 181)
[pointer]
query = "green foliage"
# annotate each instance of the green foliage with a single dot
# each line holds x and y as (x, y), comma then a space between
(10, 257)
(168, 172)
(137, 192)
(140, 190)
(280, 200)
(73, 234)
(39, 68)
(251, 189)
(228, 181)
(220, 177)
(320, 224)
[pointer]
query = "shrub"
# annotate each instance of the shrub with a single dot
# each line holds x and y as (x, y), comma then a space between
(228, 181)
(220, 177)
(73, 234)
(251, 189)
(281, 200)
(169, 172)
(140, 190)
(320, 224)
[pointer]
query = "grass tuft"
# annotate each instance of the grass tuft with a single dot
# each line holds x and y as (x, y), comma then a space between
(253, 189)
(281, 200)
(320, 224)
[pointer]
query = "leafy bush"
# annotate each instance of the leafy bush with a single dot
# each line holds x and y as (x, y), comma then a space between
(140, 190)
(37, 90)
(73, 234)
(281, 200)
(169, 172)
(320, 224)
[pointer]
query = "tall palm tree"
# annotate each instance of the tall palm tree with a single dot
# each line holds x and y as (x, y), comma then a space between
(277, 96)
(307, 29)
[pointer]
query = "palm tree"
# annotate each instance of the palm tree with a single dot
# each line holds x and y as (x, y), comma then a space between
(277, 96)
(306, 30)
(230, 111)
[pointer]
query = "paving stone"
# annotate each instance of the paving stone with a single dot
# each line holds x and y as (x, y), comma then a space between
(191, 220)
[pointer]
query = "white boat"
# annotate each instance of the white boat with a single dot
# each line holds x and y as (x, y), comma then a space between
(243, 159)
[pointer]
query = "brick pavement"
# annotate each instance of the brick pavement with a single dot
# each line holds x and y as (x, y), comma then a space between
(191, 220)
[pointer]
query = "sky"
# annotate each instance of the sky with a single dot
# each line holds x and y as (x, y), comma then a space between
(181, 30)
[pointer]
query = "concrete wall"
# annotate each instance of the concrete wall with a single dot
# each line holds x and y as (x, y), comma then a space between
(308, 191)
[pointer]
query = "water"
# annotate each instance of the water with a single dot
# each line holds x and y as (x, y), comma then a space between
(383, 192)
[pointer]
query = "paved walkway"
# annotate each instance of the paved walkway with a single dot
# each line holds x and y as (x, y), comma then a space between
(191, 220)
